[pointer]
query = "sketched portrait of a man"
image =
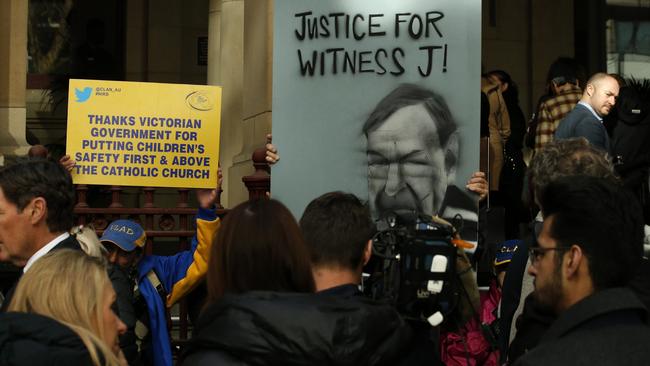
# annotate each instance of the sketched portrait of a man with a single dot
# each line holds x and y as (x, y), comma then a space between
(412, 150)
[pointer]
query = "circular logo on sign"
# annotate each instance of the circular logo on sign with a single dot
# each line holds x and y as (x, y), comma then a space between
(200, 100)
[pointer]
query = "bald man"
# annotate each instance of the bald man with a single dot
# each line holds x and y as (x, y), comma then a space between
(586, 119)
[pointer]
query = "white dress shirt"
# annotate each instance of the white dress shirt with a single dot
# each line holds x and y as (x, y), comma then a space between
(44, 250)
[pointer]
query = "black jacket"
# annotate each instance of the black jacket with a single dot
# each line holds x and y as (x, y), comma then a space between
(631, 135)
(68, 243)
(535, 320)
(125, 309)
(32, 339)
(266, 328)
(607, 328)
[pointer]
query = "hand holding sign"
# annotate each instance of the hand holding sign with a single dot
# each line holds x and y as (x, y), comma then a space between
(272, 155)
(478, 184)
(67, 162)
(207, 198)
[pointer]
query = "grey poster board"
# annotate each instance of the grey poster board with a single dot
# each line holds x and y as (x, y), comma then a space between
(333, 61)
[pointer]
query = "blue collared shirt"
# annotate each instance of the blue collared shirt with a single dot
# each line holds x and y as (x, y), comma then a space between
(591, 110)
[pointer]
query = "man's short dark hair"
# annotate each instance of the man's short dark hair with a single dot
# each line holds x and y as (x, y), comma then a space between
(410, 94)
(27, 179)
(337, 227)
(603, 219)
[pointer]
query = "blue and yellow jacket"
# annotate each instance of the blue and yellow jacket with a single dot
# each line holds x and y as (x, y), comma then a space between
(179, 274)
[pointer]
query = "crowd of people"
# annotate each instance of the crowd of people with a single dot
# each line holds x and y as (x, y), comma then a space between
(574, 289)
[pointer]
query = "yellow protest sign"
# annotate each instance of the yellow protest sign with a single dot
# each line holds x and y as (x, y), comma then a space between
(144, 134)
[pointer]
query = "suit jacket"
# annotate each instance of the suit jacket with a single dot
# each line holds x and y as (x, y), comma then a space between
(580, 122)
(68, 243)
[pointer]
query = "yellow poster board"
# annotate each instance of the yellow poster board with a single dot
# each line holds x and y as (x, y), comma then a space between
(144, 134)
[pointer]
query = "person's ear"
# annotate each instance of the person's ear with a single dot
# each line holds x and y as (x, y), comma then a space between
(367, 252)
(451, 149)
(590, 89)
(37, 210)
(573, 259)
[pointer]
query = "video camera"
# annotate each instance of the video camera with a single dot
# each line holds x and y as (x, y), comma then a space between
(414, 267)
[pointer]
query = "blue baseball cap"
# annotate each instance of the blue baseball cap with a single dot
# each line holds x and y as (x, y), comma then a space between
(126, 234)
(505, 251)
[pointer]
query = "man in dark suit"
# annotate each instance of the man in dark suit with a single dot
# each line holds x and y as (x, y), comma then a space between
(36, 202)
(586, 119)
(587, 252)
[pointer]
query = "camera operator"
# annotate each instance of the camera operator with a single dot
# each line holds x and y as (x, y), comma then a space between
(338, 231)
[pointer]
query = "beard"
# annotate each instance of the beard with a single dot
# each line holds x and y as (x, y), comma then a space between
(549, 296)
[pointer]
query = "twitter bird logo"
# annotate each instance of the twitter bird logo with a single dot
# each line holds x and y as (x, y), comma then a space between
(83, 95)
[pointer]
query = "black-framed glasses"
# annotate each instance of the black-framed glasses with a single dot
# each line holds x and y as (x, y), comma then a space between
(536, 253)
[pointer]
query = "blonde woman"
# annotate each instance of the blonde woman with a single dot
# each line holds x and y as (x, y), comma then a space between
(73, 288)
(122, 285)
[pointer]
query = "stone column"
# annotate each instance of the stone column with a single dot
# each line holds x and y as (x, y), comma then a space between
(214, 42)
(257, 91)
(13, 77)
(225, 69)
